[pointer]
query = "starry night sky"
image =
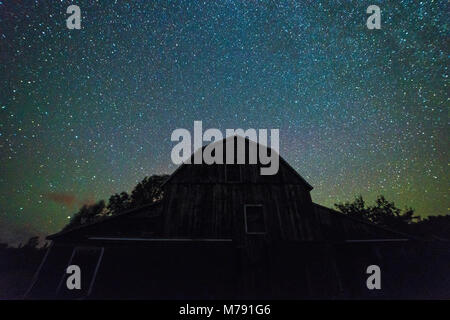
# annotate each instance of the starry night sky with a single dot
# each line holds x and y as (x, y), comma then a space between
(87, 113)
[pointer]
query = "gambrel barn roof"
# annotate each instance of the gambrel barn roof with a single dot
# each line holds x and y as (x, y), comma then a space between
(296, 177)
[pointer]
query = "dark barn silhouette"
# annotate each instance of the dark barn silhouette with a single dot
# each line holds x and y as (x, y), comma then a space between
(226, 231)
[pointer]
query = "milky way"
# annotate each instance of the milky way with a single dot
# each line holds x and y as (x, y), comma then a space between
(87, 113)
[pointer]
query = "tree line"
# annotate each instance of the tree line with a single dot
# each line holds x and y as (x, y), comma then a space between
(147, 191)
(385, 213)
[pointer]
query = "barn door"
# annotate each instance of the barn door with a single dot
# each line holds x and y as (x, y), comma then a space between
(88, 260)
(255, 255)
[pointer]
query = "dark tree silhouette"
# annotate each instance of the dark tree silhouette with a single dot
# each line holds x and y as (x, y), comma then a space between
(118, 203)
(147, 191)
(383, 213)
(87, 214)
(32, 243)
(356, 209)
(386, 214)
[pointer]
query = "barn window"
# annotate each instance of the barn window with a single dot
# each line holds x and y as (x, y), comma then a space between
(232, 173)
(254, 219)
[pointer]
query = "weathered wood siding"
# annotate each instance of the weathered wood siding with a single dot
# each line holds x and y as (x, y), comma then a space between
(199, 202)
